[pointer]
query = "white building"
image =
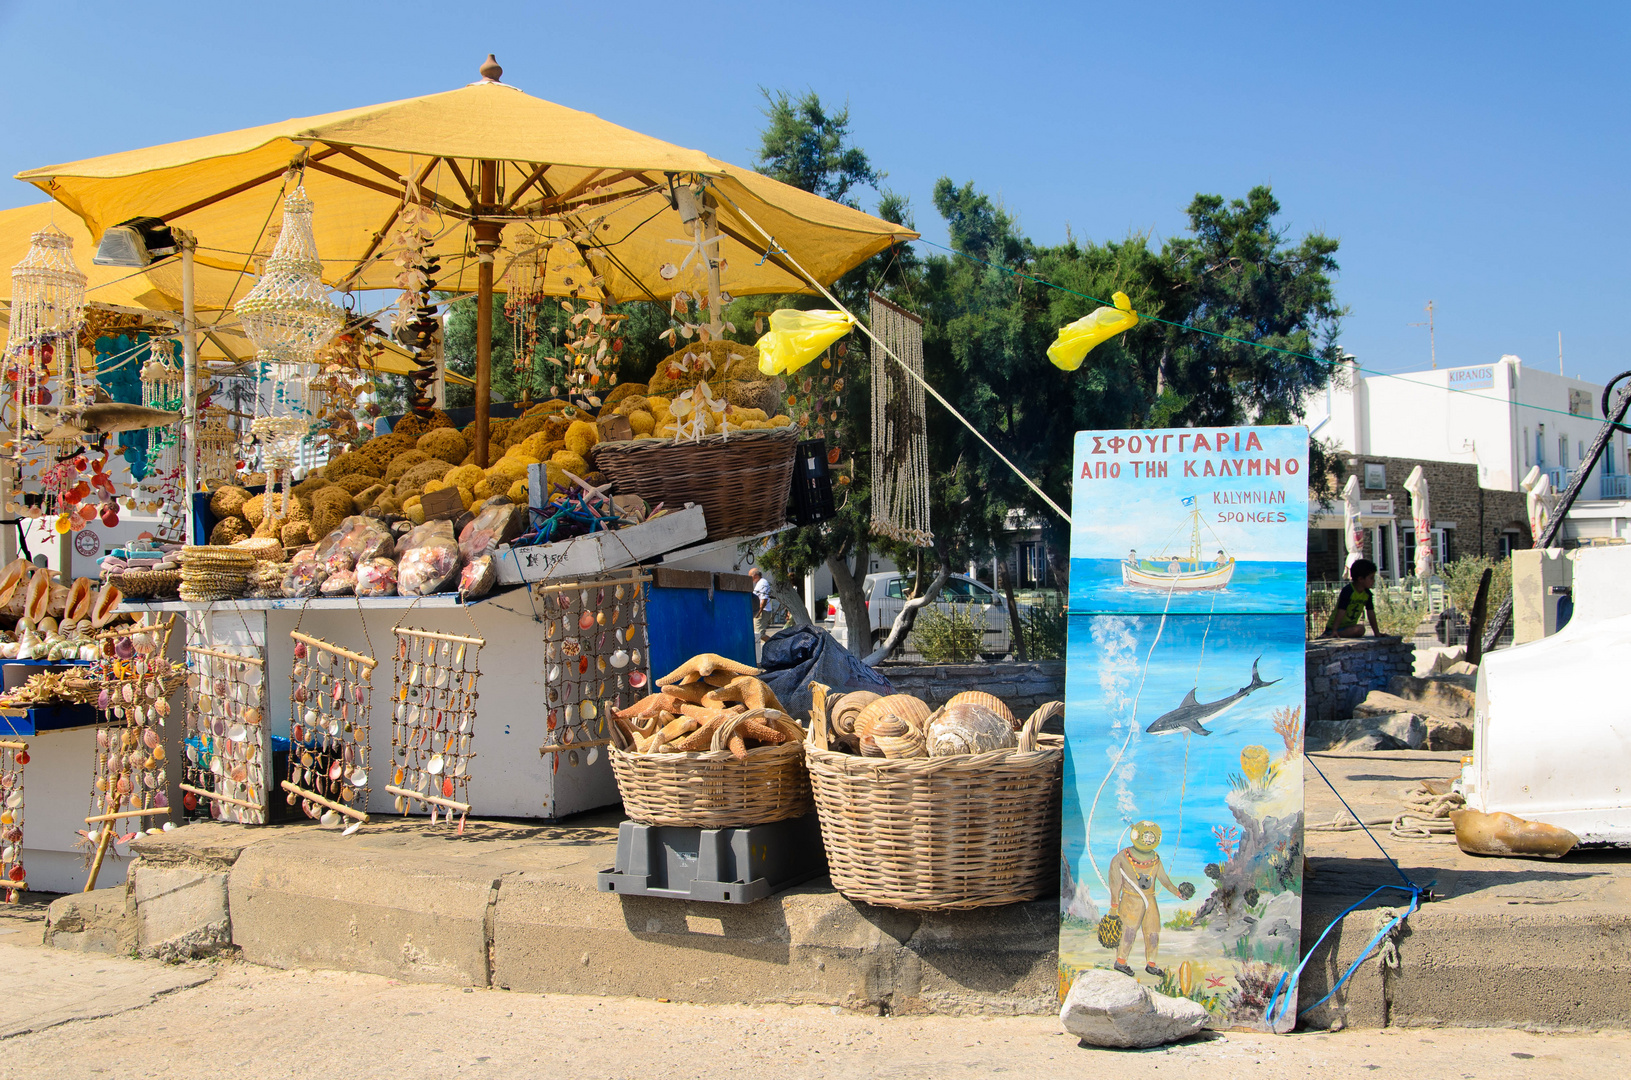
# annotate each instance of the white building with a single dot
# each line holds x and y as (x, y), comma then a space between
(1503, 417)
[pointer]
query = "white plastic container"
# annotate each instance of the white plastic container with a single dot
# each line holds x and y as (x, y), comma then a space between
(1552, 736)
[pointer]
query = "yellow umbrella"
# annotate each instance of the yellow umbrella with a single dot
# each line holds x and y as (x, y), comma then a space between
(505, 173)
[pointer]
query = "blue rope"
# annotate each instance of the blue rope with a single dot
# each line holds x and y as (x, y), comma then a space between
(1286, 989)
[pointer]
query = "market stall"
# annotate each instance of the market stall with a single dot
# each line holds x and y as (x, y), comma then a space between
(527, 540)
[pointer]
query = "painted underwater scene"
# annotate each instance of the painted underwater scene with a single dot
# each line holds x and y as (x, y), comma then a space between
(1182, 833)
(1183, 805)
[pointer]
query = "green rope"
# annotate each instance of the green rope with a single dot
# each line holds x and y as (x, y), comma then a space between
(1226, 337)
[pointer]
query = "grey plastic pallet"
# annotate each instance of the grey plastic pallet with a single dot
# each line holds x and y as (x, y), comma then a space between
(722, 866)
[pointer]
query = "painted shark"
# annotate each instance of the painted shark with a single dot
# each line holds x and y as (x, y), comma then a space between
(1191, 714)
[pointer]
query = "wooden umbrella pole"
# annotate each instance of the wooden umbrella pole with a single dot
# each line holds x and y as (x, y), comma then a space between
(487, 235)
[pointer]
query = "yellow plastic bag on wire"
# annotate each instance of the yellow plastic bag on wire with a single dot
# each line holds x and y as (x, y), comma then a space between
(1076, 340)
(797, 337)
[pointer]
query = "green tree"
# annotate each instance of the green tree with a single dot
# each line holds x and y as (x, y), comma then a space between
(806, 145)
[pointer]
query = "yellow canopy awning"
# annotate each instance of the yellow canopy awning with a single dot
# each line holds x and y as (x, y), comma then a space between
(559, 171)
(155, 289)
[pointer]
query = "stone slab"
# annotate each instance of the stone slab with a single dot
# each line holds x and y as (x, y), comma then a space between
(181, 911)
(101, 921)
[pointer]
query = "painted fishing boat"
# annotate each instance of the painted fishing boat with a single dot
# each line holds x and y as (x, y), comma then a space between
(1185, 573)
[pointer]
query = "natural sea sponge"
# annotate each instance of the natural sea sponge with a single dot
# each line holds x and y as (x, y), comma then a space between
(570, 462)
(295, 534)
(633, 403)
(369, 495)
(229, 530)
(382, 448)
(620, 393)
(463, 475)
(444, 443)
(228, 501)
(357, 483)
(414, 480)
(330, 506)
(311, 485)
(353, 462)
(581, 437)
(405, 461)
(642, 422)
(254, 509)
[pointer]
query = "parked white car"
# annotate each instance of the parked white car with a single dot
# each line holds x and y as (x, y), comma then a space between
(886, 593)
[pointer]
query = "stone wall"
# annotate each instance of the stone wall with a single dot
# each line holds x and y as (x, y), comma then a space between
(1480, 514)
(1341, 671)
(1023, 687)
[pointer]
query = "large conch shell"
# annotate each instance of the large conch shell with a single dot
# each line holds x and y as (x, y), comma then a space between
(989, 701)
(15, 573)
(56, 605)
(968, 729)
(896, 738)
(106, 605)
(38, 598)
(79, 599)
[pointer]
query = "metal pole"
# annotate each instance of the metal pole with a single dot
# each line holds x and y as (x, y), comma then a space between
(189, 381)
(1613, 420)
(487, 237)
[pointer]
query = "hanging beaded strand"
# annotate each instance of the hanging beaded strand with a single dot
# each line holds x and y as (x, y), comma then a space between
(13, 878)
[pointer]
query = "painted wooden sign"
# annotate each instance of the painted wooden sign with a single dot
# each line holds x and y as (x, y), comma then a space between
(1183, 803)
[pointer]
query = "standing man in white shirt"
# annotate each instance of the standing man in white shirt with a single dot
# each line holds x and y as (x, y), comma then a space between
(762, 622)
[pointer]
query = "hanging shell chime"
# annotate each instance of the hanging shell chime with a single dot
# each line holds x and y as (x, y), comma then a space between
(288, 315)
(47, 314)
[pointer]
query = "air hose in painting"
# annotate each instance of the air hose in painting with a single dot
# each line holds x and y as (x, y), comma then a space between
(1285, 991)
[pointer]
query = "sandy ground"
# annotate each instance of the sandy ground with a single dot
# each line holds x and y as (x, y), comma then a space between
(68, 1015)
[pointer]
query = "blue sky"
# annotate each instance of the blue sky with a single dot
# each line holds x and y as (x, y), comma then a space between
(1472, 155)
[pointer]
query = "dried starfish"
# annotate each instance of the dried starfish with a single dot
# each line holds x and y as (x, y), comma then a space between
(704, 664)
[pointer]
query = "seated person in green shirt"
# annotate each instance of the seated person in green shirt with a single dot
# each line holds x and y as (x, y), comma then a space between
(1354, 603)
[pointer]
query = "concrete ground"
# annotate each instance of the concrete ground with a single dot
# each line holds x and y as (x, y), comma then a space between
(97, 1016)
(515, 906)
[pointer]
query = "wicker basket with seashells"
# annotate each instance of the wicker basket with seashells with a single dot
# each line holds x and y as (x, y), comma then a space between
(921, 810)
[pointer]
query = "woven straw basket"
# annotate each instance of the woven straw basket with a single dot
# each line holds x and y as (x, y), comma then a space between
(965, 831)
(713, 790)
(741, 480)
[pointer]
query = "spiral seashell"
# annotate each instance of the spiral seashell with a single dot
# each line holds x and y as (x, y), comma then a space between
(904, 706)
(968, 729)
(898, 739)
(989, 701)
(847, 707)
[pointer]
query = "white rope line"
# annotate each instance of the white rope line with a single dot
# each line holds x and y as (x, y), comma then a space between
(904, 366)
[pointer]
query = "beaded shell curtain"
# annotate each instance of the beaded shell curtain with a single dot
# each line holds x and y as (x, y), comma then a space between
(900, 441)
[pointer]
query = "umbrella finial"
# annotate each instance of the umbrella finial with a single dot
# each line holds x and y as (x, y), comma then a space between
(490, 71)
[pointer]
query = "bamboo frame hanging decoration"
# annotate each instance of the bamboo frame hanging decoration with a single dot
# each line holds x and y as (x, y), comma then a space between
(13, 878)
(130, 776)
(226, 742)
(330, 702)
(596, 651)
(433, 721)
(900, 439)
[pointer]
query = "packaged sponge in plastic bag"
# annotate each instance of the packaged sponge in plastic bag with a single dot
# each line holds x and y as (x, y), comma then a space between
(797, 337)
(1076, 340)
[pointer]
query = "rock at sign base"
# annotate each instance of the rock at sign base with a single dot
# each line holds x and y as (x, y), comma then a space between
(1106, 1008)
